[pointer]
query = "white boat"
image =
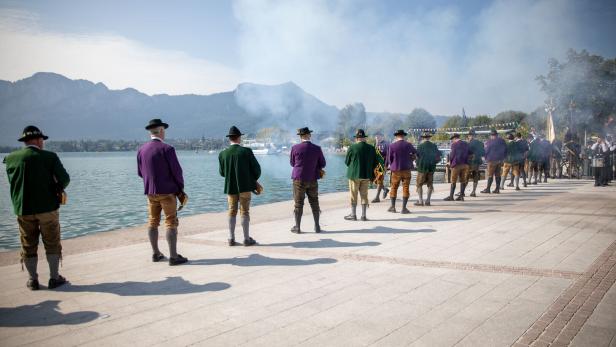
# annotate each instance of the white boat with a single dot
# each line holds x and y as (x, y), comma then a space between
(260, 148)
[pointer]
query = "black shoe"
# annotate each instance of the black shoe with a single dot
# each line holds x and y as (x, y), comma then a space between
(510, 185)
(350, 217)
(177, 260)
(517, 188)
(296, 230)
(418, 203)
(364, 219)
(232, 242)
(250, 242)
(427, 203)
(375, 200)
(405, 211)
(497, 191)
(525, 185)
(460, 198)
(473, 195)
(449, 198)
(317, 229)
(56, 282)
(33, 284)
(485, 191)
(392, 209)
(157, 257)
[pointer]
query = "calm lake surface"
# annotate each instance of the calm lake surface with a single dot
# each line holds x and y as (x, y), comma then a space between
(105, 192)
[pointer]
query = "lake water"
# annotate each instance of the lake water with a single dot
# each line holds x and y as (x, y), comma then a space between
(105, 192)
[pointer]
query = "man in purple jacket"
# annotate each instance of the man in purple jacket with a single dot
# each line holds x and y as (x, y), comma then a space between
(307, 161)
(400, 158)
(496, 150)
(458, 161)
(158, 165)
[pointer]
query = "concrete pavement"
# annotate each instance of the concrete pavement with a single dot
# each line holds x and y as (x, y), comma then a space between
(535, 267)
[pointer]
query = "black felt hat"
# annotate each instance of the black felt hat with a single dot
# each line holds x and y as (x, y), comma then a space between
(360, 134)
(234, 131)
(493, 132)
(31, 132)
(472, 132)
(510, 136)
(303, 131)
(154, 123)
(400, 132)
(426, 135)
(455, 136)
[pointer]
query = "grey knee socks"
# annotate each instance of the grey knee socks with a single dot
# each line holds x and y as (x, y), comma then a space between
(153, 235)
(232, 221)
(31, 264)
(54, 265)
(246, 226)
(172, 240)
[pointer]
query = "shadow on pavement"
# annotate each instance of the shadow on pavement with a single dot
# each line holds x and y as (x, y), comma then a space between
(169, 286)
(46, 313)
(260, 260)
(383, 230)
(323, 243)
(423, 219)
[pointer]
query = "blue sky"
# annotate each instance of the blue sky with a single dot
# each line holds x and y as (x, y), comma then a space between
(391, 55)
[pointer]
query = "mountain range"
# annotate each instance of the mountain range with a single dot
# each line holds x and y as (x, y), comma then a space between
(68, 109)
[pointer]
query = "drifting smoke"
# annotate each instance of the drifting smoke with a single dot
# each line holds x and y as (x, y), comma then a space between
(349, 51)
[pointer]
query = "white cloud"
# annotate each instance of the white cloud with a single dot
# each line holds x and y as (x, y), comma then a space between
(340, 51)
(344, 52)
(114, 60)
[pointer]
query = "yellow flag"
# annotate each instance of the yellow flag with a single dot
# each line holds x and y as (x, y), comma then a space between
(549, 129)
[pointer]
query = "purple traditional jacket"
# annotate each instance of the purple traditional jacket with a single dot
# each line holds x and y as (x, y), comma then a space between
(399, 156)
(306, 159)
(382, 146)
(460, 151)
(496, 150)
(158, 165)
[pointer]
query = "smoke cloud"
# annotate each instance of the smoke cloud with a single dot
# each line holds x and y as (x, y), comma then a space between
(345, 51)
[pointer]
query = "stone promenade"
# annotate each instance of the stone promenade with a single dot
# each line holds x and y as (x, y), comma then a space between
(535, 267)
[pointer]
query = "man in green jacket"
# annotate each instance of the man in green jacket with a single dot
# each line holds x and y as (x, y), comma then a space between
(512, 161)
(37, 179)
(428, 156)
(241, 171)
(361, 160)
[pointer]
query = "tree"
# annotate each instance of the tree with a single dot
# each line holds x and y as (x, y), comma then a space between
(481, 120)
(587, 80)
(419, 119)
(351, 118)
(509, 116)
(453, 122)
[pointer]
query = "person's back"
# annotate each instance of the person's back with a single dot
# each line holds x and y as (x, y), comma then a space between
(428, 156)
(35, 177)
(399, 155)
(496, 149)
(535, 151)
(361, 161)
(307, 160)
(240, 169)
(160, 175)
(459, 154)
(477, 151)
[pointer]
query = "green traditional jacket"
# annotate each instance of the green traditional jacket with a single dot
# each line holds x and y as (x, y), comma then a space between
(514, 155)
(477, 151)
(534, 151)
(428, 156)
(240, 169)
(35, 177)
(361, 160)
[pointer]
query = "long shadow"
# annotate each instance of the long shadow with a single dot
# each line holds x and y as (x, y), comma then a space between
(45, 313)
(383, 230)
(323, 243)
(169, 286)
(422, 211)
(260, 260)
(422, 219)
